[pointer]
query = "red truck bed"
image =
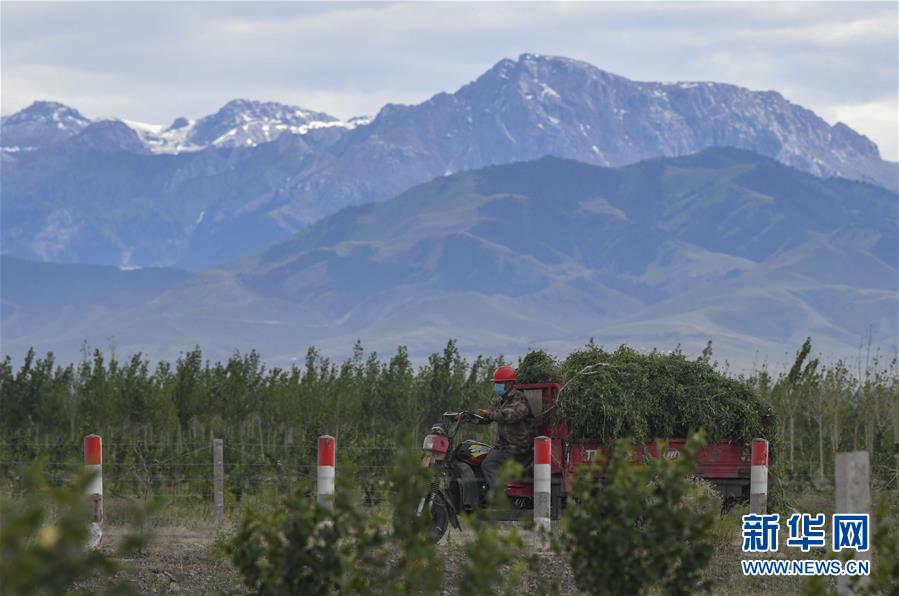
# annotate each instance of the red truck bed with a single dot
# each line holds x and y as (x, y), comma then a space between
(725, 464)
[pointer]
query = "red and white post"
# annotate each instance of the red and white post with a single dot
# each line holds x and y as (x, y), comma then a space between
(325, 480)
(93, 464)
(542, 488)
(758, 477)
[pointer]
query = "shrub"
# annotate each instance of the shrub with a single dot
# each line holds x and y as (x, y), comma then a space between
(496, 560)
(642, 528)
(43, 540)
(884, 578)
(301, 547)
(294, 549)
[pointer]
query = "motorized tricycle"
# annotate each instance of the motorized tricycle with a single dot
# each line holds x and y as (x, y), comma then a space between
(458, 485)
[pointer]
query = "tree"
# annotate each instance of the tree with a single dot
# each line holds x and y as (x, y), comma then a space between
(635, 528)
(795, 389)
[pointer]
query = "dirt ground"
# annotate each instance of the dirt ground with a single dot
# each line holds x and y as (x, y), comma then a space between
(175, 562)
(180, 561)
(187, 561)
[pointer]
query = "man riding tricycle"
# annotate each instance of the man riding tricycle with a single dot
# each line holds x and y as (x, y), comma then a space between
(464, 470)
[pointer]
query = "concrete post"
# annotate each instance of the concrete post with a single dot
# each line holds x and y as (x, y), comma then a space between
(218, 479)
(852, 475)
(758, 478)
(326, 461)
(93, 464)
(542, 488)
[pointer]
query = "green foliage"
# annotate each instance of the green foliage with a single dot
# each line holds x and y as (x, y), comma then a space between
(628, 394)
(885, 549)
(539, 367)
(157, 419)
(413, 564)
(641, 529)
(884, 577)
(302, 547)
(291, 549)
(43, 540)
(823, 409)
(495, 561)
(295, 549)
(157, 422)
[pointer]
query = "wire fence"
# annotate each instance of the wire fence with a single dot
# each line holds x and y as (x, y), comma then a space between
(166, 474)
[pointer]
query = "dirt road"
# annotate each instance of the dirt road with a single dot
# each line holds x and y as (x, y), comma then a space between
(180, 561)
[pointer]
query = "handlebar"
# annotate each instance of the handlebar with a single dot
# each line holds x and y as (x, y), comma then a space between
(464, 415)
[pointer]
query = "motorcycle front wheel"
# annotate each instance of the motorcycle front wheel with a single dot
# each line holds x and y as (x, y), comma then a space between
(435, 508)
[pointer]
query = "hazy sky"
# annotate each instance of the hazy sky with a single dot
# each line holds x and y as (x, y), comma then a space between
(155, 61)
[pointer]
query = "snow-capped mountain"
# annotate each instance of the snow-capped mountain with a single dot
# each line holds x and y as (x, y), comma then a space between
(239, 123)
(539, 105)
(41, 124)
(198, 208)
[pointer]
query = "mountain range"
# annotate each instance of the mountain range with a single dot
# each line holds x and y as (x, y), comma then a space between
(724, 244)
(195, 194)
(239, 123)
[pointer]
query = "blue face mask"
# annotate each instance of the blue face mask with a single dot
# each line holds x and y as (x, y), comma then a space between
(499, 388)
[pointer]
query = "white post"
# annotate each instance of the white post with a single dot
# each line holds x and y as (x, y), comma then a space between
(326, 460)
(758, 478)
(93, 464)
(852, 474)
(542, 489)
(218, 478)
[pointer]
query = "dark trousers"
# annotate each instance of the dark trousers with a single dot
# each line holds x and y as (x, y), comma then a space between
(493, 463)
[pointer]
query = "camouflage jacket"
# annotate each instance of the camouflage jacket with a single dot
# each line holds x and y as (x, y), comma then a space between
(515, 424)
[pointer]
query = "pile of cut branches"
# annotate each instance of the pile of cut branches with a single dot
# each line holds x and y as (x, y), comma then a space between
(610, 395)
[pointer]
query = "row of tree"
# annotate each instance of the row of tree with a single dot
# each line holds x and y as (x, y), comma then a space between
(822, 409)
(157, 421)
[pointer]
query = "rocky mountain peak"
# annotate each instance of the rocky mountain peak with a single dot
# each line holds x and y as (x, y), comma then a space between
(41, 124)
(179, 123)
(53, 110)
(244, 122)
(537, 105)
(842, 134)
(109, 136)
(520, 109)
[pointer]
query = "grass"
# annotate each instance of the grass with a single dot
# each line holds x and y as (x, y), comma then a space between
(189, 525)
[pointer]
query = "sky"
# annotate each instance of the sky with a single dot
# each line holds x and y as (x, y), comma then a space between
(155, 61)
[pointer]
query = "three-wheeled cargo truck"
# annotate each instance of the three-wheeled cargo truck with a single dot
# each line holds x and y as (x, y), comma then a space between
(458, 484)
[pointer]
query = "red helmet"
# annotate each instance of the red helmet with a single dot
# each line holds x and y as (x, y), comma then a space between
(504, 374)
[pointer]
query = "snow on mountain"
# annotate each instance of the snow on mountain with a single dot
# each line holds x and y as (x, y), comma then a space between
(518, 110)
(159, 138)
(41, 124)
(359, 121)
(239, 123)
(539, 104)
(242, 122)
(545, 105)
